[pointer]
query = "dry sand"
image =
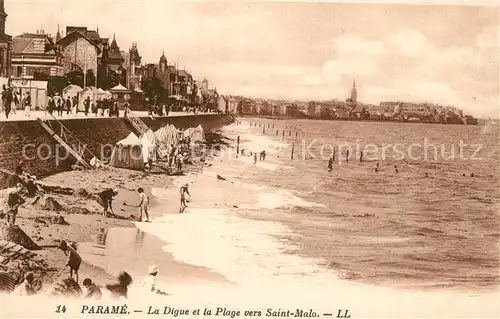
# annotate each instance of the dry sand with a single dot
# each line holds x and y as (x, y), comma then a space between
(84, 218)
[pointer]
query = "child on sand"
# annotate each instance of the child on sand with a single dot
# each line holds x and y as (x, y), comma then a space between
(74, 259)
(144, 204)
(184, 190)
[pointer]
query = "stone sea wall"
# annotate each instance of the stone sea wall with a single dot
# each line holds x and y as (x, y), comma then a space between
(30, 142)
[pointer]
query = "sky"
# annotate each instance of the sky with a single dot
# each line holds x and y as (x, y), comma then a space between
(447, 54)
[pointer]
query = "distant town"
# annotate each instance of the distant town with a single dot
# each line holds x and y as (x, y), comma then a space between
(349, 109)
(79, 63)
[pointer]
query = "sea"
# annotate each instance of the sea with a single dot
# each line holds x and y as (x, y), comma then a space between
(417, 215)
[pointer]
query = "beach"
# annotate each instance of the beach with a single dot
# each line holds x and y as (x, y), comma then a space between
(266, 232)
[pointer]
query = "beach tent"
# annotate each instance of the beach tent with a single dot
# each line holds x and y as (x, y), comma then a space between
(71, 91)
(128, 153)
(149, 146)
(196, 134)
(90, 91)
(165, 137)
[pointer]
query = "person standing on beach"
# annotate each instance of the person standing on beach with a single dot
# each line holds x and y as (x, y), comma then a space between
(330, 164)
(184, 190)
(144, 204)
(255, 158)
(74, 260)
(105, 199)
(14, 200)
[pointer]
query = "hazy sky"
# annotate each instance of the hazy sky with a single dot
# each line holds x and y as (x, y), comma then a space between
(442, 54)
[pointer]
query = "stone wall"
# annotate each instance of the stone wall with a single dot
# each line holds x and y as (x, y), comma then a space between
(29, 142)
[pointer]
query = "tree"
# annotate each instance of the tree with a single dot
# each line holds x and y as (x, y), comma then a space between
(153, 88)
(75, 77)
(56, 84)
(90, 80)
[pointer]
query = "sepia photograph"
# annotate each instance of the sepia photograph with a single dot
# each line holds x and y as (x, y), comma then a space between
(243, 159)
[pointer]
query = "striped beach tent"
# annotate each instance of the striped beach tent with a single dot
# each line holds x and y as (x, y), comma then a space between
(162, 137)
(149, 146)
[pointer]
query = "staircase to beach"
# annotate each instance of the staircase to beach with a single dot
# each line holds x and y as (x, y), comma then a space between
(139, 125)
(69, 141)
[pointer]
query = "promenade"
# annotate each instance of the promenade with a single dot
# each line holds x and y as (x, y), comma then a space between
(20, 115)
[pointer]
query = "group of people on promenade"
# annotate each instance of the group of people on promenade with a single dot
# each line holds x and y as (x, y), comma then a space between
(72, 105)
(12, 100)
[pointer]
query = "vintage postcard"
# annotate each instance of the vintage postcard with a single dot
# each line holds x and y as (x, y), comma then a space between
(180, 159)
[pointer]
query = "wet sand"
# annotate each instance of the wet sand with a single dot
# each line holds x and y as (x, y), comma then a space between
(85, 220)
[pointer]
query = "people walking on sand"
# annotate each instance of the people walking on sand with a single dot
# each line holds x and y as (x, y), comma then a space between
(14, 200)
(105, 199)
(93, 292)
(396, 169)
(184, 190)
(144, 204)
(262, 155)
(377, 167)
(74, 260)
(120, 289)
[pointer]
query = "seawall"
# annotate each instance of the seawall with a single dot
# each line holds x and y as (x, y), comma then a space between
(30, 142)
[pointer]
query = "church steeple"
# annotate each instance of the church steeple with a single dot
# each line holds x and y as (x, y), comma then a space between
(58, 35)
(354, 92)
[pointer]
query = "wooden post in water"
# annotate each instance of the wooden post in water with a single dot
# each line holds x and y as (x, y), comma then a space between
(296, 134)
(289, 133)
(263, 129)
(238, 146)
(283, 133)
(293, 148)
(361, 157)
(277, 132)
(334, 149)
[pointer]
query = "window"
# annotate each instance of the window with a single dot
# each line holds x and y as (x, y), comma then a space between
(19, 71)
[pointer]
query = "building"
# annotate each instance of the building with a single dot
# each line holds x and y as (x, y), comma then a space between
(112, 64)
(222, 104)
(133, 64)
(80, 49)
(360, 112)
(232, 104)
(5, 44)
(36, 55)
(354, 93)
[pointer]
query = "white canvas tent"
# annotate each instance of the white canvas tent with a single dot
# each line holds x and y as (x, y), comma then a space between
(196, 134)
(149, 146)
(128, 153)
(71, 91)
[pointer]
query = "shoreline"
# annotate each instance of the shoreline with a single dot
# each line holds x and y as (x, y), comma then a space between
(82, 219)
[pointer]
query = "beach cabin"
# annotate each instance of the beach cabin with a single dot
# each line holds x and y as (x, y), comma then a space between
(120, 93)
(37, 90)
(128, 153)
(71, 91)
